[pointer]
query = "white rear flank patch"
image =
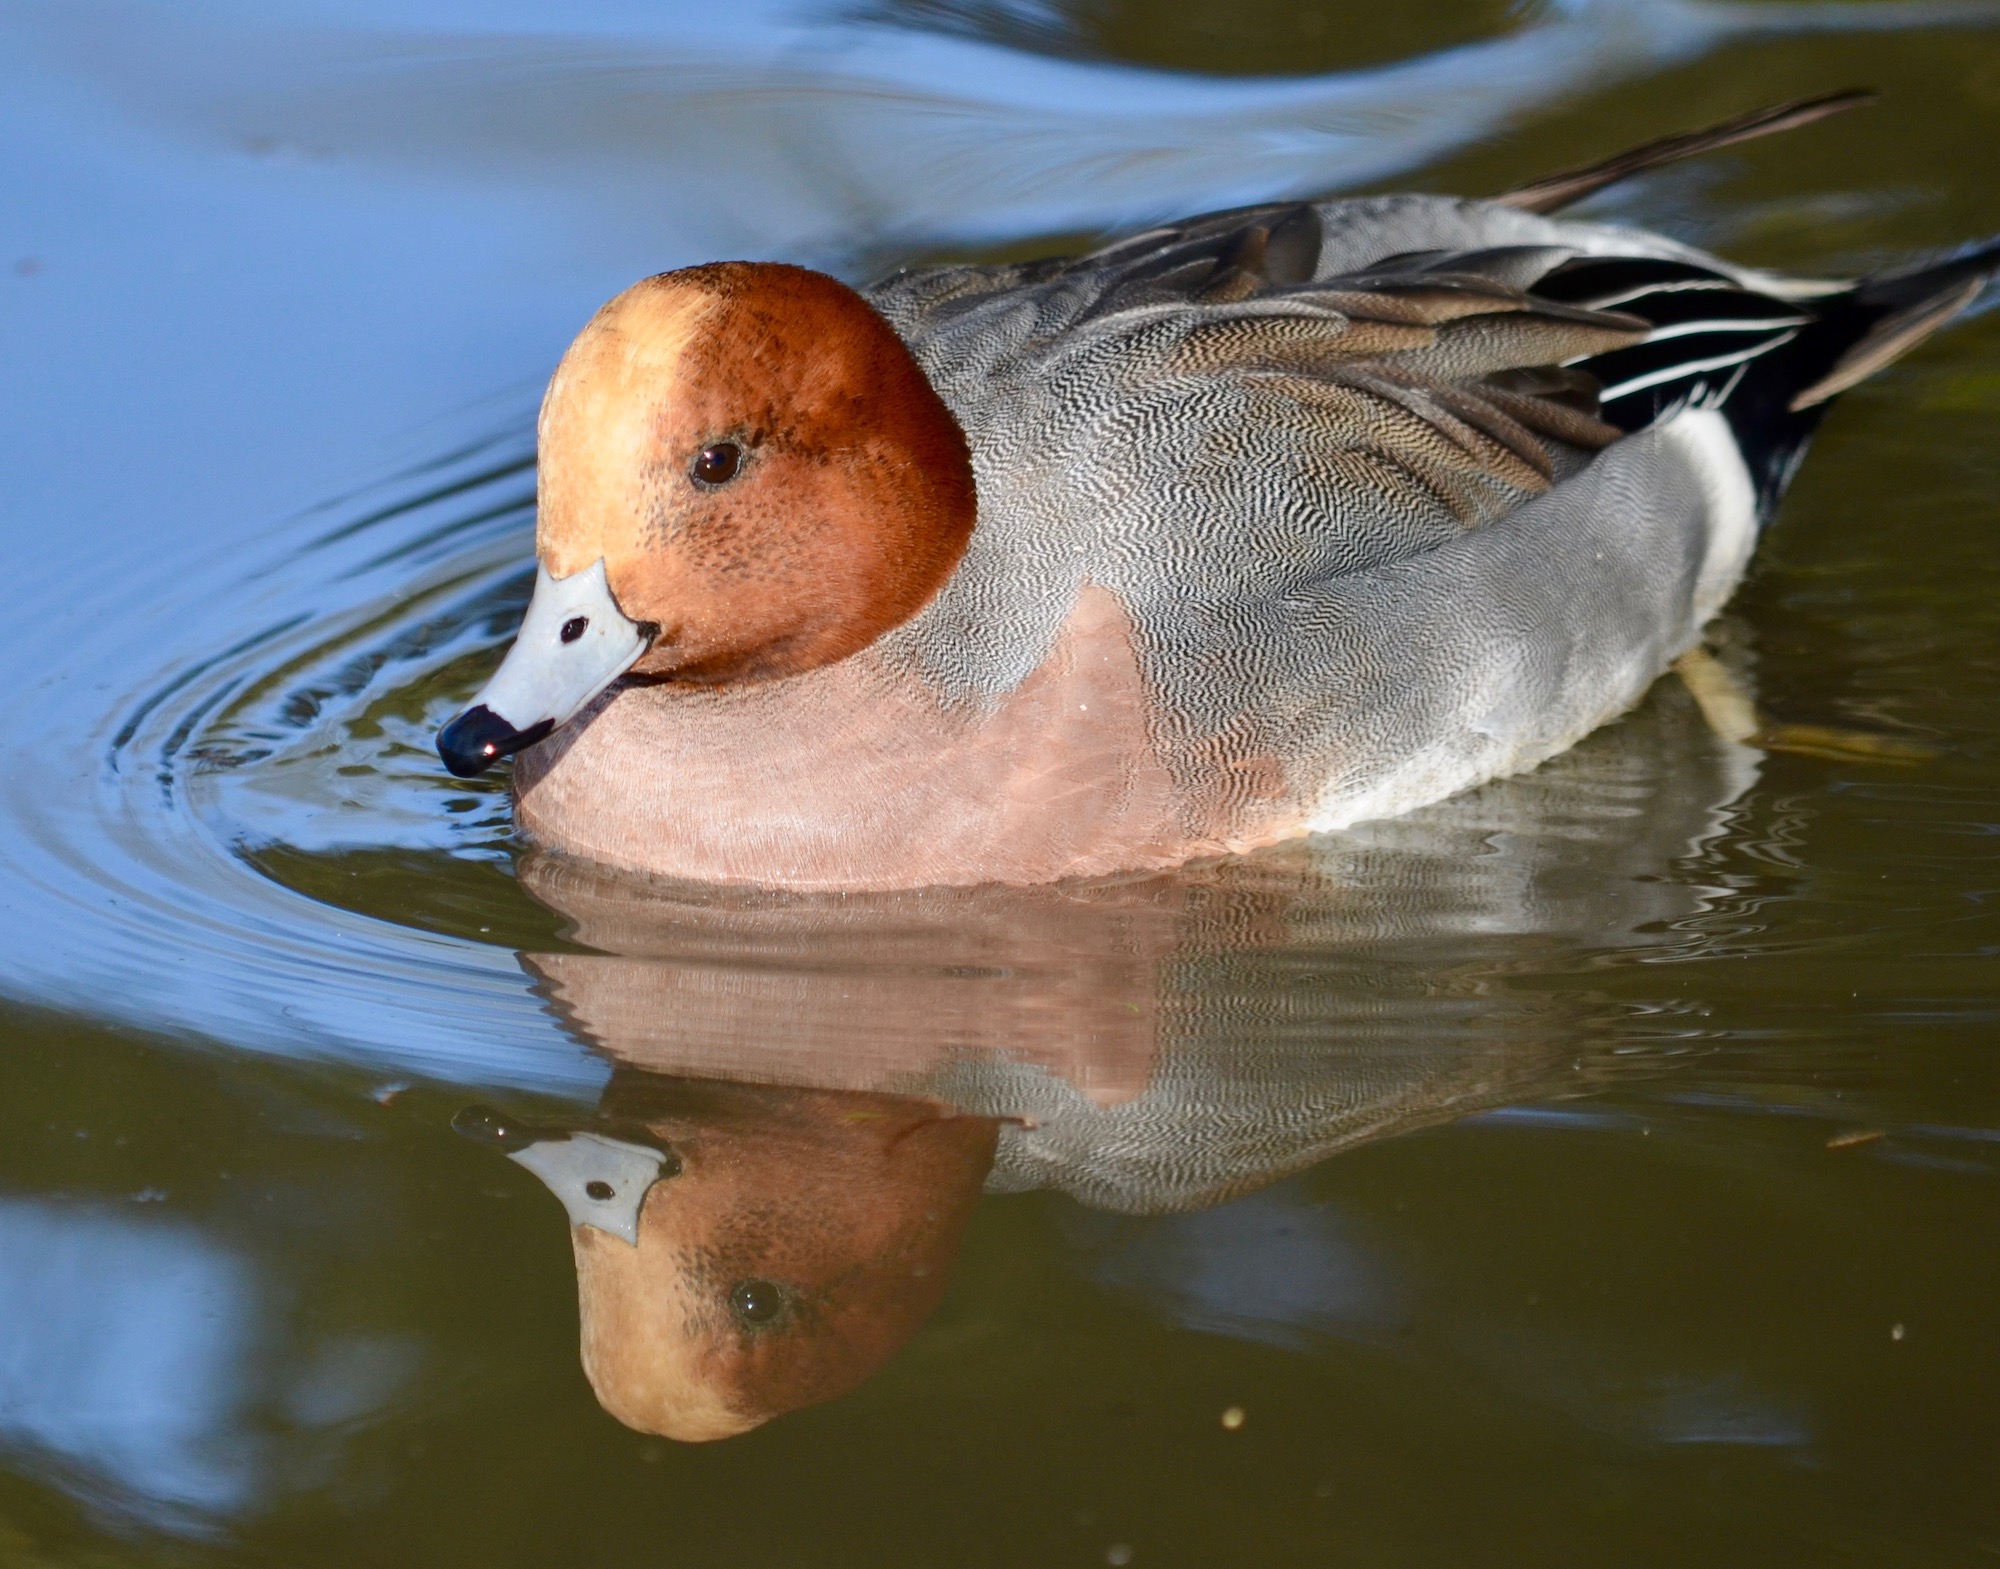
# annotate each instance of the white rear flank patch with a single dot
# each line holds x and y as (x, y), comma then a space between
(1704, 439)
(1504, 732)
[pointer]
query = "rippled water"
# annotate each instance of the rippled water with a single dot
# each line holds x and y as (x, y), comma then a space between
(1597, 1168)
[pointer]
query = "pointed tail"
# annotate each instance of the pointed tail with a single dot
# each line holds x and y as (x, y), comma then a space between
(1897, 311)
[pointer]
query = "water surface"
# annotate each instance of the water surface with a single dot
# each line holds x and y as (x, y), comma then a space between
(1600, 1167)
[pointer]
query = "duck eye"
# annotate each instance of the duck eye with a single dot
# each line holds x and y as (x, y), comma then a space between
(756, 1301)
(717, 465)
(574, 628)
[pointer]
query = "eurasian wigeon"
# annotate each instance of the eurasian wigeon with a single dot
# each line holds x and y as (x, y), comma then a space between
(1248, 527)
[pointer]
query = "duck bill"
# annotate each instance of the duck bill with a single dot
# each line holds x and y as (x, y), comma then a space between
(602, 1182)
(573, 643)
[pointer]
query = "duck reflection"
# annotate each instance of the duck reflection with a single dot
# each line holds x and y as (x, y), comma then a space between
(746, 1250)
(809, 1094)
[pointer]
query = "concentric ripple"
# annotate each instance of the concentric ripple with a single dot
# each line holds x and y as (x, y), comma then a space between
(260, 847)
(207, 855)
(222, 815)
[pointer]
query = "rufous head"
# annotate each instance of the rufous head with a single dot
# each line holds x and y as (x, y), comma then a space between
(744, 475)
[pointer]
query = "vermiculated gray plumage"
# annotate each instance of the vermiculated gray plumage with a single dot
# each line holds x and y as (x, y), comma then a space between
(1344, 467)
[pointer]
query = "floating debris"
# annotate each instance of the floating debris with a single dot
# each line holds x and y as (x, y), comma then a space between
(1847, 1141)
(1233, 1418)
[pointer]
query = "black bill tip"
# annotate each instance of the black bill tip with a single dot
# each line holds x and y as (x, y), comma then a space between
(479, 738)
(484, 1125)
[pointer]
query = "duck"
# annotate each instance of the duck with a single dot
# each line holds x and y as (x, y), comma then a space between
(1245, 528)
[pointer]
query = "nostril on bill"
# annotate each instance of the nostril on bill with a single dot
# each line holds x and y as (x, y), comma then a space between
(574, 628)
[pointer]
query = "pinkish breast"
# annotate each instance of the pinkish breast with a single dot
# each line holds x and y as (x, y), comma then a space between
(855, 776)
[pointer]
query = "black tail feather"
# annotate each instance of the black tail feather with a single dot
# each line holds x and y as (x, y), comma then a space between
(1904, 309)
(1771, 365)
(1897, 290)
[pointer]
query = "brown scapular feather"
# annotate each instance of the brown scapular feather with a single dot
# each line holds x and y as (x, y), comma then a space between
(1551, 417)
(1479, 345)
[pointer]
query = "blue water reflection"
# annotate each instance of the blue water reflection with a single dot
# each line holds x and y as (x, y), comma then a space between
(791, 129)
(274, 255)
(123, 1351)
(1272, 1268)
(1282, 1270)
(163, 1373)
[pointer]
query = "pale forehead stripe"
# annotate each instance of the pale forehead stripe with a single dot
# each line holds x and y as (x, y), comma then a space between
(598, 422)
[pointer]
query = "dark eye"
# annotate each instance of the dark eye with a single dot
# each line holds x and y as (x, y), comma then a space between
(717, 465)
(574, 628)
(756, 1301)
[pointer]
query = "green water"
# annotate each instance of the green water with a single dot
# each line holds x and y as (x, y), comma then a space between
(1601, 1169)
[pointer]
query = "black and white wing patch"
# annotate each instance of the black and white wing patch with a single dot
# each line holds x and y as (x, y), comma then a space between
(1714, 344)
(1706, 332)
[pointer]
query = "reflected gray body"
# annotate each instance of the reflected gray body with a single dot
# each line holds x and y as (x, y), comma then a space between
(1163, 1044)
(1380, 1002)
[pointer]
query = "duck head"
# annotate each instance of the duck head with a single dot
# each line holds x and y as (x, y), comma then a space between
(743, 475)
(746, 1250)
